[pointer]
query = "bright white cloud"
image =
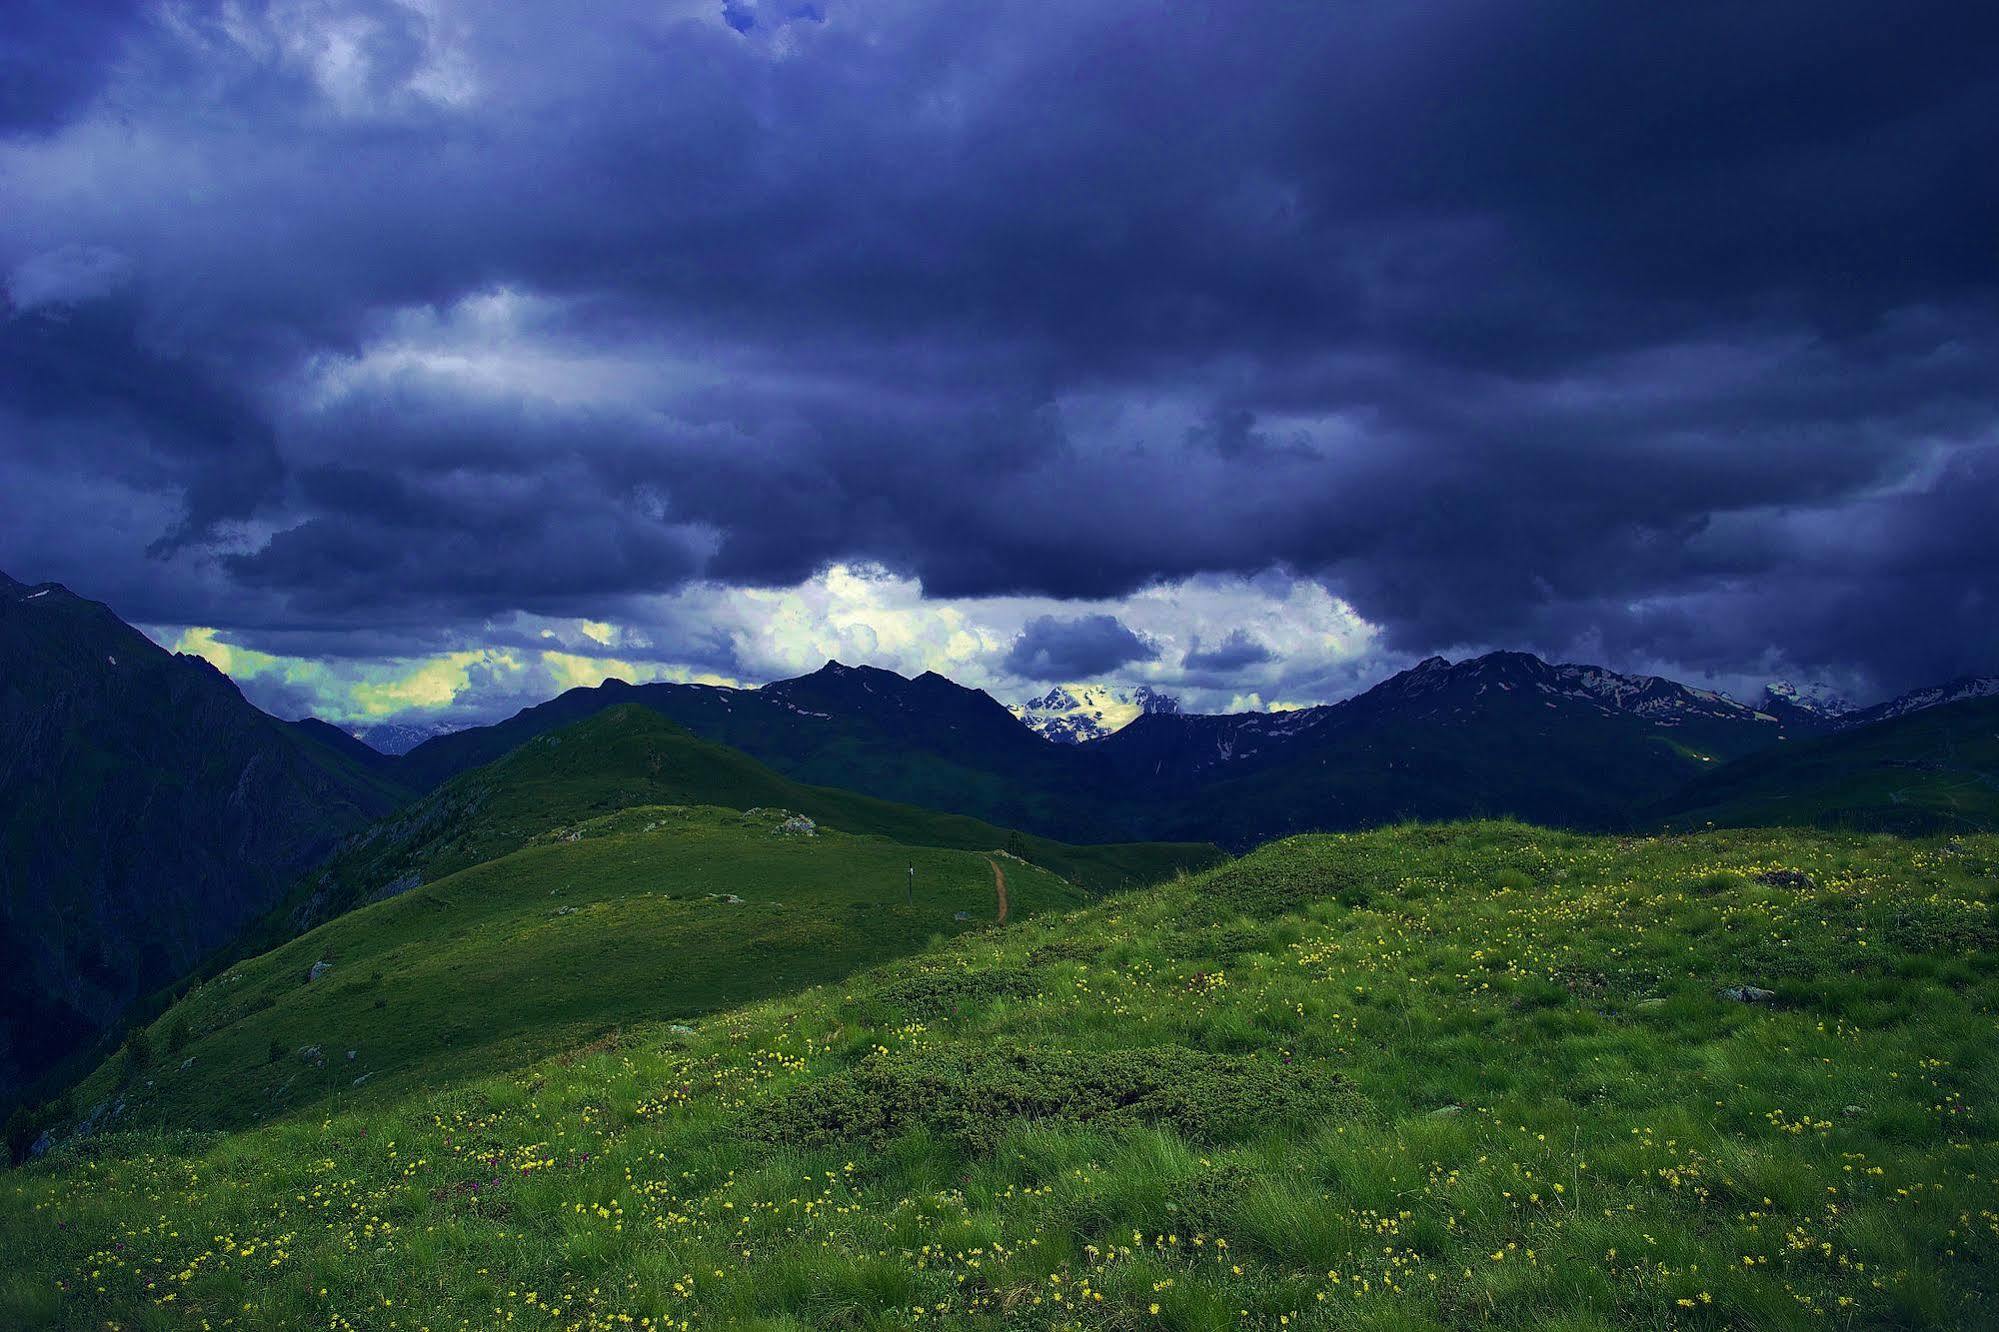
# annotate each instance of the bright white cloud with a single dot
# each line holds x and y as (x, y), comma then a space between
(715, 634)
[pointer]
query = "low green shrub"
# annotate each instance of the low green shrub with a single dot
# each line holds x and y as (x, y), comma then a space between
(1281, 885)
(976, 1096)
(929, 994)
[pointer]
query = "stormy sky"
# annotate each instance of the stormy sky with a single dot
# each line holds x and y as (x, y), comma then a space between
(417, 356)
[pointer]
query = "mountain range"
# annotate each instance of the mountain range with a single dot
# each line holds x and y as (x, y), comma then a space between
(151, 817)
(1820, 705)
(1501, 733)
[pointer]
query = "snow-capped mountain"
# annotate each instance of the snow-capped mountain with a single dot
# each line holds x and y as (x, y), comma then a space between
(1957, 691)
(399, 737)
(1814, 700)
(1821, 704)
(1072, 714)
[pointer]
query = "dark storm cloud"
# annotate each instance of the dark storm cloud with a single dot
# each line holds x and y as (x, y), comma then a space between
(156, 415)
(1662, 333)
(54, 54)
(1233, 653)
(1080, 649)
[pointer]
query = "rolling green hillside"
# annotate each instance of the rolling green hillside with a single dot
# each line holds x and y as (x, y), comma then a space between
(624, 918)
(1934, 771)
(1424, 1077)
(629, 755)
(925, 741)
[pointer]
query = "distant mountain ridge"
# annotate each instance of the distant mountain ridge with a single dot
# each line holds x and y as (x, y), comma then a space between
(398, 738)
(1924, 770)
(1818, 701)
(1438, 688)
(1960, 690)
(1504, 733)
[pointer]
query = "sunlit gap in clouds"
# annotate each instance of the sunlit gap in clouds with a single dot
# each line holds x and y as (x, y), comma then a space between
(1216, 643)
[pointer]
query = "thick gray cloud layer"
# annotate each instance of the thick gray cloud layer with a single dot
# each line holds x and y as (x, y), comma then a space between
(1658, 334)
(1230, 655)
(1082, 648)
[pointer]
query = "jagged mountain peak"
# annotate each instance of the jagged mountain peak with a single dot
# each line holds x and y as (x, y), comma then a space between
(1078, 713)
(1816, 700)
(1527, 675)
(928, 703)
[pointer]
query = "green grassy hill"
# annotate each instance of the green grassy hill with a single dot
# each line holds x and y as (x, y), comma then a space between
(626, 918)
(629, 755)
(1423, 1077)
(1934, 771)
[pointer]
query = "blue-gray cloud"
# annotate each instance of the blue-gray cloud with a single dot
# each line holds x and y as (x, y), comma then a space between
(1232, 654)
(1665, 331)
(1083, 648)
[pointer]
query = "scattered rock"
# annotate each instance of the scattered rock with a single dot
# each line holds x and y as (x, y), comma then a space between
(187, 1063)
(1748, 994)
(311, 1054)
(565, 911)
(1446, 1111)
(1786, 878)
(1651, 1001)
(798, 826)
(729, 899)
(397, 887)
(100, 1114)
(363, 1078)
(351, 1054)
(1853, 1110)
(319, 969)
(961, 915)
(680, 1029)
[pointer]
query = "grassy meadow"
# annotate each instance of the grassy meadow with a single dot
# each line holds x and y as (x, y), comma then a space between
(652, 913)
(629, 756)
(1425, 1077)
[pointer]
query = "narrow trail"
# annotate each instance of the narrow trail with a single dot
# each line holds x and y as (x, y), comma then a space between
(999, 885)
